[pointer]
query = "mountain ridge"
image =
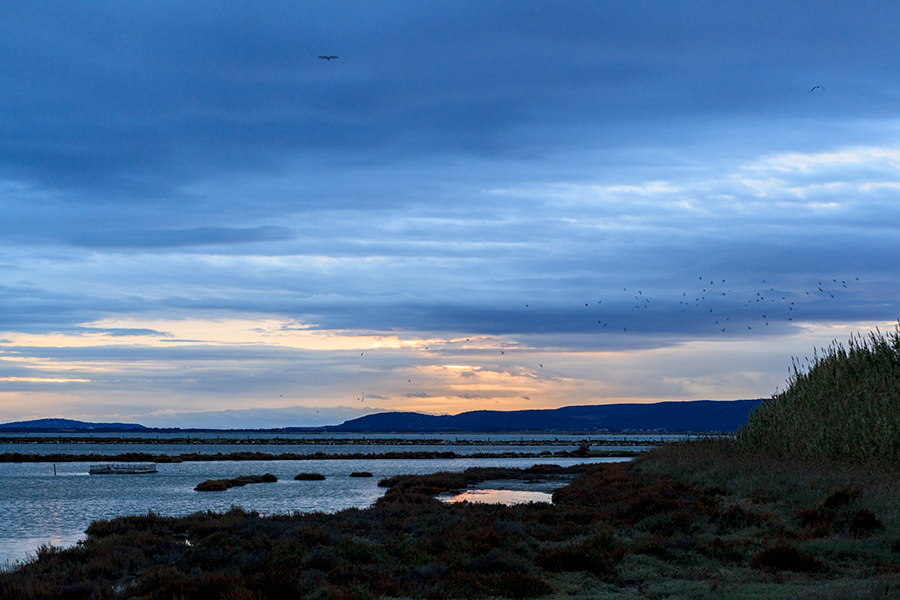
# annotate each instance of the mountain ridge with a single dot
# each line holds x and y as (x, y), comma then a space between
(694, 416)
(67, 424)
(689, 416)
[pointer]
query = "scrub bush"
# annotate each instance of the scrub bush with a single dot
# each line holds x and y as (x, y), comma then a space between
(786, 558)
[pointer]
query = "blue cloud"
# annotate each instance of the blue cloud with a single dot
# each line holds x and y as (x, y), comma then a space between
(456, 163)
(169, 238)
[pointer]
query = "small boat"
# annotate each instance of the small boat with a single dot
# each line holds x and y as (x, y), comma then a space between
(117, 469)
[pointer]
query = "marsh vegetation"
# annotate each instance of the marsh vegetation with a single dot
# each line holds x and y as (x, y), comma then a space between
(718, 525)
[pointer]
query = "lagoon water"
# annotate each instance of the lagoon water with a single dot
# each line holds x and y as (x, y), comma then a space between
(38, 507)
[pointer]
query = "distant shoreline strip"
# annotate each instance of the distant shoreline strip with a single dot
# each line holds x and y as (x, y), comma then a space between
(17, 457)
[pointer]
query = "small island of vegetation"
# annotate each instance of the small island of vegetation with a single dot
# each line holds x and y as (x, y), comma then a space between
(220, 485)
(802, 503)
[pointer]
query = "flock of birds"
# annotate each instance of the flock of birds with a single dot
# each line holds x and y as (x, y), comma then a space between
(780, 304)
(714, 306)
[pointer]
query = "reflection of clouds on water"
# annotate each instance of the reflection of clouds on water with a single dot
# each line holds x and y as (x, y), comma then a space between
(498, 497)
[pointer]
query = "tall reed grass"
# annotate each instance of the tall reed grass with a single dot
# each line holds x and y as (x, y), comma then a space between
(844, 404)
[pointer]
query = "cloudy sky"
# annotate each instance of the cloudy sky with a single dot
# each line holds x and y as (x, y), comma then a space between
(494, 205)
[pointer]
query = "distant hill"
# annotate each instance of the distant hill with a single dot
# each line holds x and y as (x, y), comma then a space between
(697, 416)
(66, 425)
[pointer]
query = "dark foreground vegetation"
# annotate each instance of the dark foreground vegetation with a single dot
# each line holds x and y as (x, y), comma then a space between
(730, 519)
(687, 521)
(220, 485)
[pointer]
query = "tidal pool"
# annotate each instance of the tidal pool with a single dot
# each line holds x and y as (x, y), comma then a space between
(490, 496)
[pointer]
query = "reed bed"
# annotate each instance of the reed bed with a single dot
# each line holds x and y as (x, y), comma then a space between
(843, 404)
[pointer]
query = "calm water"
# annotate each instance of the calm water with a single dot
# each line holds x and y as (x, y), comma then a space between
(38, 508)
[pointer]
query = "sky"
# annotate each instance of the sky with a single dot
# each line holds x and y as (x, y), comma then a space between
(476, 205)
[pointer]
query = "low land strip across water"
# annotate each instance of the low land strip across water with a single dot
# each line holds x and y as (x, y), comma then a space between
(694, 520)
(605, 440)
(21, 457)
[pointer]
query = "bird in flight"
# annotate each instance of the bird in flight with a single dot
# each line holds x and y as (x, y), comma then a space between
(818, 87)
(328, 57)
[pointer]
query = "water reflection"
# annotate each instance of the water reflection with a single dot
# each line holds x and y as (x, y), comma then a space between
(488, 496)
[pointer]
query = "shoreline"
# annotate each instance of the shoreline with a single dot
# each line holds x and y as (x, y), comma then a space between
(17, 457)
(279, 441)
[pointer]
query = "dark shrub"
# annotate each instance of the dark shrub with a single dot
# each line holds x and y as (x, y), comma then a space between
(864, 523)
(599, 554)
(219, 485)
(399, 500)
(816, 522)
(309, 477)
(839, 498)
(499, 561)
(720, 550)
(518, 585)
(213, 485)
(651, 545)
(320, 558)
(736, 518)
(786, 558)
(79, 591)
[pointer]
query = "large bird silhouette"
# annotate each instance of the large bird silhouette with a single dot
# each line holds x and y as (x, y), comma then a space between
(328, 57)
